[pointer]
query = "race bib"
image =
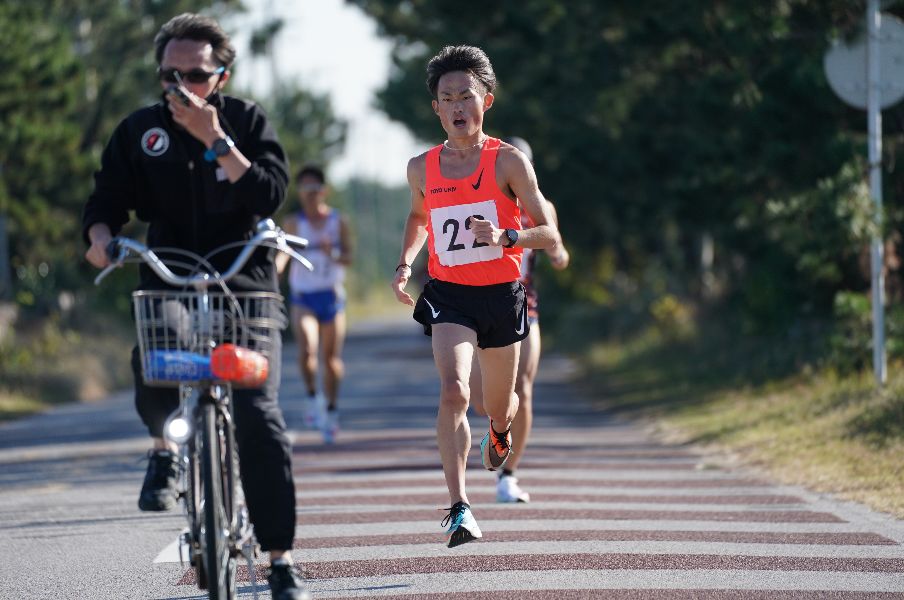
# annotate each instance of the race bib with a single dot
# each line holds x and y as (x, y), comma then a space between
(454, 242)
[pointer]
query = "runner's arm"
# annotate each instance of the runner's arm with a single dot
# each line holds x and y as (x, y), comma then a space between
(521, 181)
(558, 254)
(346, 246)
(415, 229)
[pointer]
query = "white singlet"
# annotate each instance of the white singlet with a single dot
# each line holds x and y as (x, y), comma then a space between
(327, 274)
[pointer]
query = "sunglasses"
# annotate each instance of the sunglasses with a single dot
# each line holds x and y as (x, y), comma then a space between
(310, 187)
(170, 75)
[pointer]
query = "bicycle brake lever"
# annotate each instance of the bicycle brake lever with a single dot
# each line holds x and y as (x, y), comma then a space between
(117, 254)
(107, 270)
(284, 247)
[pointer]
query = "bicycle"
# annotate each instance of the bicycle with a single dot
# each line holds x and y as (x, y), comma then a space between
(208, 343)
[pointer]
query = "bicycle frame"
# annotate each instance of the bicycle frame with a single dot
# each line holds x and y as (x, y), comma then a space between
(212, 436)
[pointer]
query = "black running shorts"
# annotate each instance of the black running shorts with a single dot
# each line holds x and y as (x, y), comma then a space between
(498, 313)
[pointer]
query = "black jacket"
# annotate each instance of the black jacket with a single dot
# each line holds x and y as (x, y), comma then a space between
(155, 168)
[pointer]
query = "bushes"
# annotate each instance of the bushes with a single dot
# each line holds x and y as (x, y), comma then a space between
(851, 343)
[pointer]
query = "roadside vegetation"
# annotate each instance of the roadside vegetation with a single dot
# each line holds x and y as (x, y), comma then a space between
(737, 400)
(50, 361)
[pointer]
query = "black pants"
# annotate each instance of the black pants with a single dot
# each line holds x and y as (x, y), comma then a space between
(264, 449)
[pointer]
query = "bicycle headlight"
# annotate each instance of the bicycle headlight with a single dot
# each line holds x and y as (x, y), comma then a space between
(177, 429)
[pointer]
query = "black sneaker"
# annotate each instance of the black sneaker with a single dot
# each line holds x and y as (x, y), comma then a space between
(159, 490)
(285, 584)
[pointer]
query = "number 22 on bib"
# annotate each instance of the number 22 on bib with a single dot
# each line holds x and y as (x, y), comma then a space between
(454, 242)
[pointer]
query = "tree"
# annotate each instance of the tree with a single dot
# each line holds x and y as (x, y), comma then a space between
(43, 174)
(307, 126)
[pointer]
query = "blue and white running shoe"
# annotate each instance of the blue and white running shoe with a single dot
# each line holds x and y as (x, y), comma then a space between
(462, 525)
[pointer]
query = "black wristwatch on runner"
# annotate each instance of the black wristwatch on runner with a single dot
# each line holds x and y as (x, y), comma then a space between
(512, 235)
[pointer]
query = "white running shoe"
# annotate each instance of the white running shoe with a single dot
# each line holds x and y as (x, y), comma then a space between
(508, 490)
(330, 426)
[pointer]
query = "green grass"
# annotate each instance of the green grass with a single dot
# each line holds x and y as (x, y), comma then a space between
(744, 401)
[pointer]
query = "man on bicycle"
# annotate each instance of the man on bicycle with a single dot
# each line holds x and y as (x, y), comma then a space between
(201, 168)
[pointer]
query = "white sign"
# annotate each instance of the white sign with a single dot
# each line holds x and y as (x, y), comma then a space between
(846, 66)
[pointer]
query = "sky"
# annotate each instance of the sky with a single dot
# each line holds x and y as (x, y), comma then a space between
(329, 46)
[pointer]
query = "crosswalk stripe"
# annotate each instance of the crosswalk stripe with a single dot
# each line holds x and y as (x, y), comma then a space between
(590, 525)
(772, 538)
(563, 547)
(407, 496)
(580, 480)
(391, 514)
(487, 577)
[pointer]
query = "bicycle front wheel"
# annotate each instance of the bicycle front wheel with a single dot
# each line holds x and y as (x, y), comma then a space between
(219, 564)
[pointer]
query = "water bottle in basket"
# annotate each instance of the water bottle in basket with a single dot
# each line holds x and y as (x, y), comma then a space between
(239, 365)
(177, 365)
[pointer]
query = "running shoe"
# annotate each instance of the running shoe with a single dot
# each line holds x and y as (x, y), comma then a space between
(312, 409)
(495, 448)
(508, 490)
(462, 525)
(330, 426)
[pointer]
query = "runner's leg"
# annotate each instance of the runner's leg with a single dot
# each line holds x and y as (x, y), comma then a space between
(304, 328)
(476, 385)
(524, 388)
(453, 351)
(498, 369)
(332, 336)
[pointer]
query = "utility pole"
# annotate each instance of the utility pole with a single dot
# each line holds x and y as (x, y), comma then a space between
(877, 251)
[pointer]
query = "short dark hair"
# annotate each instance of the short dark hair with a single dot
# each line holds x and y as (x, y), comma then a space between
(469, 59)
(315, 171)
(201, 28)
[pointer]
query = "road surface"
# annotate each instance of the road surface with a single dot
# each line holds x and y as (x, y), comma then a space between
(614, 514)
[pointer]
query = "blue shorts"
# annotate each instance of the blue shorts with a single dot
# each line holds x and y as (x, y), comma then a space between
(325, 304)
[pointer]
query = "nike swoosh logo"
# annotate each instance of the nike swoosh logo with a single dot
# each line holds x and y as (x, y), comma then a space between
(433, 310)
(523, 320)
(479, 177)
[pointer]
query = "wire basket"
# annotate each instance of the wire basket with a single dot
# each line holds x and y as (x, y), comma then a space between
(177, 331)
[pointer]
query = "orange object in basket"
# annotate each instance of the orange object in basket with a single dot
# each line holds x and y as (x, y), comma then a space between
(239, 365)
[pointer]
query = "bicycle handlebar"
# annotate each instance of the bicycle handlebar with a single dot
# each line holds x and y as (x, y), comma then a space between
(267, 231)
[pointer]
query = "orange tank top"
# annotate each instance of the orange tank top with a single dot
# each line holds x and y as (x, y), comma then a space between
(455, 255)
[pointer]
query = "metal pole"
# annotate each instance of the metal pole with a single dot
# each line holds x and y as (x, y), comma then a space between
(874, 119)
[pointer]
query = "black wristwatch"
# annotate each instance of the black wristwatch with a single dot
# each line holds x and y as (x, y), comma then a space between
(220, 147)
(512, 235)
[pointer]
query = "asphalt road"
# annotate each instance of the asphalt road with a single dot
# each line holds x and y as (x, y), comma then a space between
(614, 514)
